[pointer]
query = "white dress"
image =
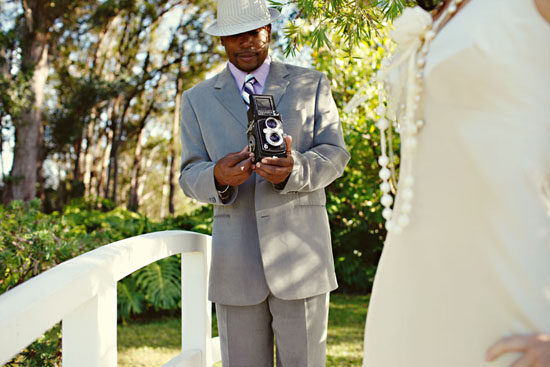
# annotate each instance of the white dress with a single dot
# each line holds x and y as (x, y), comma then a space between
(473, 265)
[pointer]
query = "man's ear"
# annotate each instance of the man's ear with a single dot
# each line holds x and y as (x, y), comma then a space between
(269, 31)
(222, 39)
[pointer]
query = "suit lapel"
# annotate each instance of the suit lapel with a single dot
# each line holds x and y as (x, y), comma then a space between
(225, 90)
(276, 83)
(228, 95)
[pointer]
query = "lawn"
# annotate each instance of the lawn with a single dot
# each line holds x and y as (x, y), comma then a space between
(154, 342)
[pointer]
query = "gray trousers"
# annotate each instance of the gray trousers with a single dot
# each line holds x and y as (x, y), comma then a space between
(299, 328)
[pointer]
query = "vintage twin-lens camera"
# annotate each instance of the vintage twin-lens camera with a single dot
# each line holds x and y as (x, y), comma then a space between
(265, 128)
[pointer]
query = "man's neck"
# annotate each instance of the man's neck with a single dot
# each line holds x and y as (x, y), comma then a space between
(260, 73)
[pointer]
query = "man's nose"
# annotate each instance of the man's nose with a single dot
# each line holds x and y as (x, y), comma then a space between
(247, 40)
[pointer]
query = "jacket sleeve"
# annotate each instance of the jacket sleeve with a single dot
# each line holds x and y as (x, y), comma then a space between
(325, 161)
(197, 169)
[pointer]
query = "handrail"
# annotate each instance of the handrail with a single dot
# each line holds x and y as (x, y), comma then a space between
(81, 293)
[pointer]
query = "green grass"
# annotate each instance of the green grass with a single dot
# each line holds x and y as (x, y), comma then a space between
(154, 342)
(345, 330)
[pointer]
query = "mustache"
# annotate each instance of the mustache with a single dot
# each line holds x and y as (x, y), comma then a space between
(247, 53)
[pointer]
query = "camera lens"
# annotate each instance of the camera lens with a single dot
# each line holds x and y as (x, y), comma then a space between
(272, 123)
(274, 138)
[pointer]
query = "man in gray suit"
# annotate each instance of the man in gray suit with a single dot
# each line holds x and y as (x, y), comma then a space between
(272, 267)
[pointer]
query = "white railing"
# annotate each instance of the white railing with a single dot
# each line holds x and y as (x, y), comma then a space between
(82, 294)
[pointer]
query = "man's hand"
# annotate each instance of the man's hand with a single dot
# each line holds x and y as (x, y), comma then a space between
(276, 170)
(233, 169)
(535, 349)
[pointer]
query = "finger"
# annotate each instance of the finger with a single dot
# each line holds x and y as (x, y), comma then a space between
(245, 165)
(264, 169)
(271, 170)
(288, 141)
(239, 176)
(259, 169)
(276, 161)
(526, 360)
(233, 159)
(516, 343)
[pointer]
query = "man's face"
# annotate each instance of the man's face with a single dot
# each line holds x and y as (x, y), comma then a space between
(247, 51)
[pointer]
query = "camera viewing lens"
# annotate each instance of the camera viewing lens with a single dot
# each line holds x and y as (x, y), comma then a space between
(271, 123)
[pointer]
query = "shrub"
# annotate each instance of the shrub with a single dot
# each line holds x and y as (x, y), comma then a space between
(31, 242)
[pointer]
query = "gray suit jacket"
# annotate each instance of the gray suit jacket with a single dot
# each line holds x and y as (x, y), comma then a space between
(265, 239)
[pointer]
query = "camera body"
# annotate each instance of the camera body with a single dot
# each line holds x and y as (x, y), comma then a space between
(265, 128)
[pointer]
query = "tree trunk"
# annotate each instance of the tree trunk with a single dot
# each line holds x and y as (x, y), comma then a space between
(28, 137)
(165, 189)
(2, 169)
(172, 151)
(112, 118)
(143, 179)
(133, 200)
(117, 142)
(40, 187)
(88, 158)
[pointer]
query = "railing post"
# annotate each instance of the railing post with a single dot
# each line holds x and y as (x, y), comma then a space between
(90, 332)
(196, 314)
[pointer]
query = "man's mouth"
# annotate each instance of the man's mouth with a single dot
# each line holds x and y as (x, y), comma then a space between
(246, 56)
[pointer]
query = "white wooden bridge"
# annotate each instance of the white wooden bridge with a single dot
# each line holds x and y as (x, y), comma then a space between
(82, 294)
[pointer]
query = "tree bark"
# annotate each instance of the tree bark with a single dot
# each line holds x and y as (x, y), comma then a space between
(88, 155)
(113, 122)
(172, 151)
(28, 137)
(133, 200)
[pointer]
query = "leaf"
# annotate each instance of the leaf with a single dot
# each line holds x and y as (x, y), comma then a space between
(130, 299)
(161, 283)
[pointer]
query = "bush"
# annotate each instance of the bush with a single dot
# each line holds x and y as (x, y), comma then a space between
(353, 201)
(31, 242)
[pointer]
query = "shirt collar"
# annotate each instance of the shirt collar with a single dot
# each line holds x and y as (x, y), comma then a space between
(260, 73)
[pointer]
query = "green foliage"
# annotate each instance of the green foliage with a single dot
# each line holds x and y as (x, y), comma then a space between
(158, 285)
(353, 200)
(44, 352)
(130, 299)
(162, 283)
(327, 24)
(32, 242)
(77, 97)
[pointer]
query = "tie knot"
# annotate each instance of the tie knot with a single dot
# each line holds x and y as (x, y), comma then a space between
(249, 79)
(249, 83)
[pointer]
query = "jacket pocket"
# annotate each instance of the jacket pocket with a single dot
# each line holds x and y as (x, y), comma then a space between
(314, 198)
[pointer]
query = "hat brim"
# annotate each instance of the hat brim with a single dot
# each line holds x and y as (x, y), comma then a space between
(230, 30)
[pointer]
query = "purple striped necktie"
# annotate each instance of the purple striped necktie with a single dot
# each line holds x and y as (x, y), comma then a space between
(248, 89)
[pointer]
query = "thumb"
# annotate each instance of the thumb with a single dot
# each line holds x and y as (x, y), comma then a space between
(288, 141)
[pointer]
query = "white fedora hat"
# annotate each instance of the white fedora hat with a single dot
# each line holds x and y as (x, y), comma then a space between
(239, 16)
